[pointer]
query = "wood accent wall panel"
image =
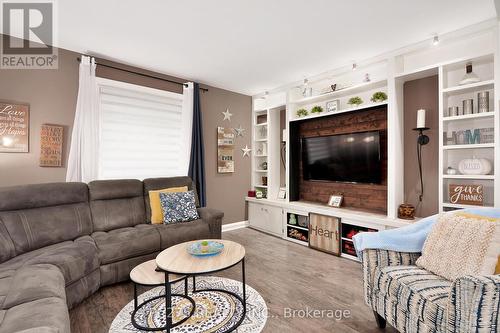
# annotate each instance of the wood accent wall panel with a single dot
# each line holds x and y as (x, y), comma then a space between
(368, 197)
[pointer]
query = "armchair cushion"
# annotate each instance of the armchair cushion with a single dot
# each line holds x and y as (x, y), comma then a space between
(417, 291)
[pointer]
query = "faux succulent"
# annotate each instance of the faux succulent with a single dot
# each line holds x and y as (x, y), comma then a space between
(302, 112)
(317, 109)
(355, 101)
(379, 96)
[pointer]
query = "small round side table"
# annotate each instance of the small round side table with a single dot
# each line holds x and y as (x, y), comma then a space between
(149, 275)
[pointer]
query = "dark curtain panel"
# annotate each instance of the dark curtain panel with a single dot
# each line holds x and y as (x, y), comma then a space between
(197, 161)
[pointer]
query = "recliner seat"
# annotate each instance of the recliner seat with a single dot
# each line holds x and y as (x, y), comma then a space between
(60, 242)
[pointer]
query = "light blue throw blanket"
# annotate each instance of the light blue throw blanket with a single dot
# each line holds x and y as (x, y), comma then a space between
(410, 238)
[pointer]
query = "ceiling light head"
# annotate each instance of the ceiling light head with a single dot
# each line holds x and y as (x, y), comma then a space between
(435, 40)
(306, 81)
(354, 66)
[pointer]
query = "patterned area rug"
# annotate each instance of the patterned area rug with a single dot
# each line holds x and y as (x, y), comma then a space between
(215, 311)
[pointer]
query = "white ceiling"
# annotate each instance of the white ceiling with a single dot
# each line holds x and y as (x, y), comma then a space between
(249, 46)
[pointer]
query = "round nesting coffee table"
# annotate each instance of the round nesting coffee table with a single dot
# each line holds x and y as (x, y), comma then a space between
(147, 274)
(176, 260)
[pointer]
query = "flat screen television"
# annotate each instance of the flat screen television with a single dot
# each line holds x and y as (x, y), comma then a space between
(353, 158)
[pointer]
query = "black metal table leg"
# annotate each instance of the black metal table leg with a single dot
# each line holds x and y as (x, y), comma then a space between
(135, 296)
(244, 288)
(194, 284)
(186, 286)
(168, 303)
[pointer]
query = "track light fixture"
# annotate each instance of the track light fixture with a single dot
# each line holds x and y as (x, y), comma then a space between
(354, 66)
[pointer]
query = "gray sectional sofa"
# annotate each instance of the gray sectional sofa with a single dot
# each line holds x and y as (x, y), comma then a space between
(60, 242)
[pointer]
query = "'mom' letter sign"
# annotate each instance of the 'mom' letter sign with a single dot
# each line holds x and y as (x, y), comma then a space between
(14, 127)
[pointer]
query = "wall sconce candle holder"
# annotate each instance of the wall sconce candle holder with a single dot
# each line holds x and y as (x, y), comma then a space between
(422, 140)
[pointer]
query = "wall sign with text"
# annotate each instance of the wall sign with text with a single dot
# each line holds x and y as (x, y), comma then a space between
(51, 143)
(14, 127)
(225, 150)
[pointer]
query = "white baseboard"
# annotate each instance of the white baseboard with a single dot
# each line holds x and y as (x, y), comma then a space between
(234, 226)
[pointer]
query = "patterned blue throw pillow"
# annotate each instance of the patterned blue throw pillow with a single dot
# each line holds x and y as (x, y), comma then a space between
(178, 207)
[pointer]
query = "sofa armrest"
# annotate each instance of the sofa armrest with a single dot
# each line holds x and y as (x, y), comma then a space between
(376, 258)
(214, 219)
(475, 304)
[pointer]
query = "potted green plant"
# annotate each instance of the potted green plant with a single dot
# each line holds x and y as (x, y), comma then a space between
(379, 97)
(356, 101)
(302, 113)
(317, 109)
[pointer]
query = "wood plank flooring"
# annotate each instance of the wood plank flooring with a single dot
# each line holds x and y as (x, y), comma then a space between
(287, 275)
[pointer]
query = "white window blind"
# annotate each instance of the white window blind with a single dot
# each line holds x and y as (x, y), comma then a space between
(141, 132)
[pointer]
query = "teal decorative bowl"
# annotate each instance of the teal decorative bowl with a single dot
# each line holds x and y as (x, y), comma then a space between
(213, 248)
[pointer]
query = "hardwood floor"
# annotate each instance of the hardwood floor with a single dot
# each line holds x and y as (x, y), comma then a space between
(287, 275)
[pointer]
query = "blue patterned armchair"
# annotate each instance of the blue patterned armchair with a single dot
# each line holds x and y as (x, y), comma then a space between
(414, 300)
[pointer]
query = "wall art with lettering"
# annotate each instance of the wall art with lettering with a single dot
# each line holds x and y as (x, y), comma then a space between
(51, 145)
(14, 127)
(225, 150)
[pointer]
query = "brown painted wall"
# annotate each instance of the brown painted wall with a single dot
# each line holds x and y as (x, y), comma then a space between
(421, 94)
(52, 97)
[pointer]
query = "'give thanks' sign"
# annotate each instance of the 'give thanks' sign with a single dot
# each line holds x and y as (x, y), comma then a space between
(14, 127)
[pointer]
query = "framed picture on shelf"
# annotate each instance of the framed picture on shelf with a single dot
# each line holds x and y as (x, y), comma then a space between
(466, 194)
(333, 106)
(335, 200)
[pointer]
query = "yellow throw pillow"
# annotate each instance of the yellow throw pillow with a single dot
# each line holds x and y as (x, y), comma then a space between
(154, 202)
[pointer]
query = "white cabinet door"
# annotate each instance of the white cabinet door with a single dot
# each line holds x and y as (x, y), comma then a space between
(265, 218)
(256, 215)
(275, 220)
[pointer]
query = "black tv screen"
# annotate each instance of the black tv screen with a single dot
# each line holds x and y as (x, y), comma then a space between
(353, 158)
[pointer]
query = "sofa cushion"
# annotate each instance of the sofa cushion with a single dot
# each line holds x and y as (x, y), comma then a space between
(46, 315)
(42, 195)
(34, 216)
(416, 291)
(124, 243)
(75, 259)
(30, 283)
(155, 205)
(172, 234)
(35, 228)
(154, 184)
(178, 207)
(116, 204)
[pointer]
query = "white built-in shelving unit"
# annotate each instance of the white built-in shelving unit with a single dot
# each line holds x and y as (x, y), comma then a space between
(388, 73)
(451, 153)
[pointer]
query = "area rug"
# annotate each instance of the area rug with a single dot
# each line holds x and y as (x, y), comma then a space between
(215, 311)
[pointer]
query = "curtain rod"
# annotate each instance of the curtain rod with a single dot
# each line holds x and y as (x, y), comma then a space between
(141, 74)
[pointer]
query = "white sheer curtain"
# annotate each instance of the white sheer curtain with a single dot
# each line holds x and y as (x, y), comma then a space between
(84, 149)
(187, 125)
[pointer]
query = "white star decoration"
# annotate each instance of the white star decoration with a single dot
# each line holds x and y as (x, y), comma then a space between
(239, 131)
(227, 115)
(246, 151)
